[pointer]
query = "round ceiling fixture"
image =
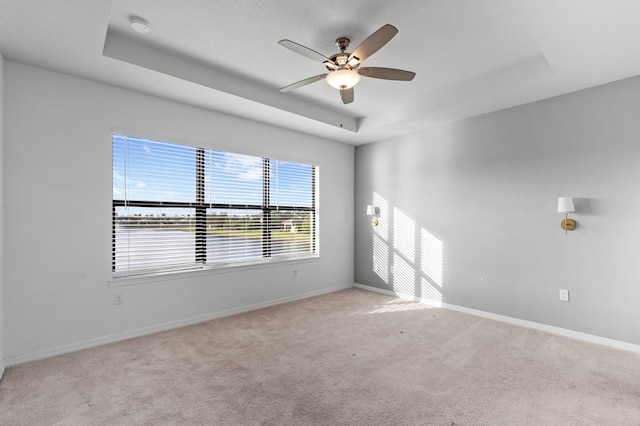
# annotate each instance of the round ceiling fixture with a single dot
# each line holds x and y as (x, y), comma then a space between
(140, 25)
(343, 79)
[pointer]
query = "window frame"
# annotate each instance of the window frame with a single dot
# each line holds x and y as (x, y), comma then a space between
(201, 207)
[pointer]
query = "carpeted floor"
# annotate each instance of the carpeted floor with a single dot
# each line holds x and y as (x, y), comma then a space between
(351, 357)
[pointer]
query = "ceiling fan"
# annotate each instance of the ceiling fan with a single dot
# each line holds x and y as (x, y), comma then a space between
(344, 67)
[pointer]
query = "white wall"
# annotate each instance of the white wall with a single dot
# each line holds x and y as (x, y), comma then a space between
(2, 181)
(58, 216)
(469, 212)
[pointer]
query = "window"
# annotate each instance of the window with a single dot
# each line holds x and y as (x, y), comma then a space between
(179, 207)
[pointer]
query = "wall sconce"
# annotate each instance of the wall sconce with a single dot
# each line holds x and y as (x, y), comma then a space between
(373, 212)
(565, 205)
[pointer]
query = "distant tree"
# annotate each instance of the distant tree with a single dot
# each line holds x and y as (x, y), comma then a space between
(305, 227)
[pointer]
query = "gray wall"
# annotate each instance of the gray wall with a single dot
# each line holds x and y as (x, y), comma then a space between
(58, 216)
(2, 180)
(468, 212)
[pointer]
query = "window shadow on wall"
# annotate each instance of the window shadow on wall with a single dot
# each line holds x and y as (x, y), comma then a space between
(407, 257)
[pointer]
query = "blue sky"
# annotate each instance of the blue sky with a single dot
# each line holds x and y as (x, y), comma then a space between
(159, 171)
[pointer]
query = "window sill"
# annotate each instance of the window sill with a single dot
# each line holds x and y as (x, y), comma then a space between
(220, 269)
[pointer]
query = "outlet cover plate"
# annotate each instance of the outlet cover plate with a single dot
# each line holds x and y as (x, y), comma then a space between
(563, 295)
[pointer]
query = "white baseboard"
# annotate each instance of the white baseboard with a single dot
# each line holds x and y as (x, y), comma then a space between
(112, 338)
(515, 321)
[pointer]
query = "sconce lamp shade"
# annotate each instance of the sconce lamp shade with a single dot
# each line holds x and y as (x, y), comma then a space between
(371, 210)
(565, 205)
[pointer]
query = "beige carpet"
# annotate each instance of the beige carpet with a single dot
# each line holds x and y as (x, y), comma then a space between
(350, 357)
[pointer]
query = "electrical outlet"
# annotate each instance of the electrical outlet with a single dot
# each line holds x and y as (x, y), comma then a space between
(118, 299)
(564, 295)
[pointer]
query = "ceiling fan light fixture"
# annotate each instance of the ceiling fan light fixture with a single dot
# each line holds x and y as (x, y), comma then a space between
(343, 79)
(344, 67)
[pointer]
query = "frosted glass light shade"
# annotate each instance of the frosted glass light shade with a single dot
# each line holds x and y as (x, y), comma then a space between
(565, 205)
(343, 79)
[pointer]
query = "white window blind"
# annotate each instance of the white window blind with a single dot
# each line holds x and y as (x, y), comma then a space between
(181, 207)
(292, 219)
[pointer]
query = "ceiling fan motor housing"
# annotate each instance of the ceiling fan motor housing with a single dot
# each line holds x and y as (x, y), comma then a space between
(340, 59)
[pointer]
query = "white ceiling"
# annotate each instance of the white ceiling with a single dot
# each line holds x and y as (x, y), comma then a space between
(470, 57)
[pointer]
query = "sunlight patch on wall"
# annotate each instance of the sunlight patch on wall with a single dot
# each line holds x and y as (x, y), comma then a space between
(404, 277)
(431, 254)
(382, 229)
(404, 229)
(381, 258)
(413, 272)
(429, 293)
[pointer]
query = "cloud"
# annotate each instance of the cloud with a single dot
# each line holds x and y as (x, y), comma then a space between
(251, 174)
(236, 166)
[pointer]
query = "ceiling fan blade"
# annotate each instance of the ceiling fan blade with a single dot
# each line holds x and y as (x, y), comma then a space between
(303, 82)
(346, 95)
(304, 51)
(374, 42)
(386, 73)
